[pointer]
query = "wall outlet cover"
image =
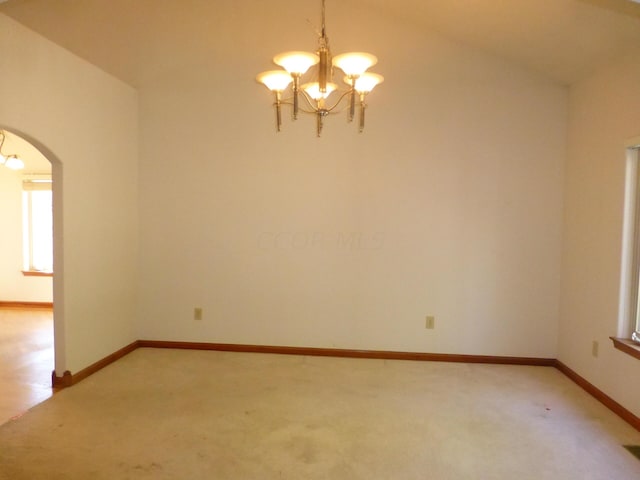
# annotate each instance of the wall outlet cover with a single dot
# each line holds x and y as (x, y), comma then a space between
(430, 322)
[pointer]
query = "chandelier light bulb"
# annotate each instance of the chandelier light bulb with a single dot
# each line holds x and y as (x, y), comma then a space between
(366, 82)
(2, 159)
(313, 90)
(296, 63)
(14, 163)
(354, 63)
(275, 80)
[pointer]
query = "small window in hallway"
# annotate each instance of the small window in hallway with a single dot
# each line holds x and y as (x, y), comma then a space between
(37, 225)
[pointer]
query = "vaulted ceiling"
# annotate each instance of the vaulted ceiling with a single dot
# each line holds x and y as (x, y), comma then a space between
(565, 40)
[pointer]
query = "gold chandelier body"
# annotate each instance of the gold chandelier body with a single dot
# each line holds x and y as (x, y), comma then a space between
(315, 93)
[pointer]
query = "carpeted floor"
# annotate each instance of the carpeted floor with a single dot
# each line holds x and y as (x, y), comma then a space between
(170, 414)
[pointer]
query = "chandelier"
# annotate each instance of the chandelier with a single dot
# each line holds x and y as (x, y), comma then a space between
(9, 161)
(318, 83)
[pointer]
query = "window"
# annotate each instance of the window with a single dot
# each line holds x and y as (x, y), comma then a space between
(37, 224)
(633, 201)
(629, 316)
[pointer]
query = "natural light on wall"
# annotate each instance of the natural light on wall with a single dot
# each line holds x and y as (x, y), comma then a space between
(37, 223)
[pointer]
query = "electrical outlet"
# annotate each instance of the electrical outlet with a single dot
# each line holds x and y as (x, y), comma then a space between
(197, 313)
(430, 322)
(594, 348)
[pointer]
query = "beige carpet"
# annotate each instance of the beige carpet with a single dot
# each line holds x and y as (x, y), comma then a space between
(168, 414)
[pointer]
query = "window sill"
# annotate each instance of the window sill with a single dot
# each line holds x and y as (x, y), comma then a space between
(627, 346)
(30, 273)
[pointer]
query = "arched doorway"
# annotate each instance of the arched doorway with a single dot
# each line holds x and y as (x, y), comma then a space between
(32, 336)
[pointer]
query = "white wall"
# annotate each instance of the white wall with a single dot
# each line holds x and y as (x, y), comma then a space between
(453, 195)
(85, 122)
(604, 114)
(14, 286)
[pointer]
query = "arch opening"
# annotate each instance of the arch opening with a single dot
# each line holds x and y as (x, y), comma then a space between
(21, 282)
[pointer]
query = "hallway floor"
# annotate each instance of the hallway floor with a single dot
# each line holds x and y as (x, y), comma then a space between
(26, 359)
(180, 414)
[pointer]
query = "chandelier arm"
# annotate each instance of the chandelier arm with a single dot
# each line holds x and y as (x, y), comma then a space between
(289, 101)
(336, 112)
(329, 110)
(309, 101)
(304, 110)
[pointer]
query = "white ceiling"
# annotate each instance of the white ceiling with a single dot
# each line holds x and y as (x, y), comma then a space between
(565, 40)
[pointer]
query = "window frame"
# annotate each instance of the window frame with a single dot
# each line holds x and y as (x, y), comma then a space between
(628, 334)
(633, 311)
